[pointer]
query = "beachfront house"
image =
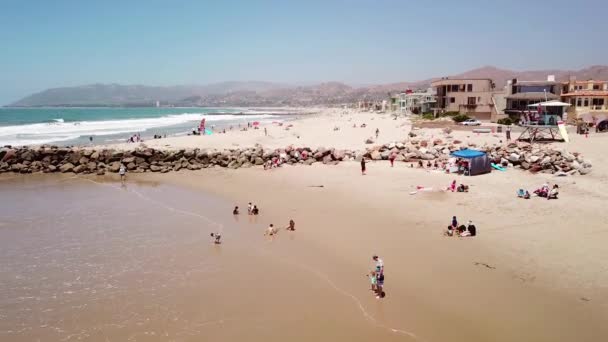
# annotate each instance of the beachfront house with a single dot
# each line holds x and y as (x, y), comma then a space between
(474, 97)
(588, 99)
(522, 94)
(417, 102)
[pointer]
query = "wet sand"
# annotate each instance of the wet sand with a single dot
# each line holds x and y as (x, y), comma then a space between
(105, 263)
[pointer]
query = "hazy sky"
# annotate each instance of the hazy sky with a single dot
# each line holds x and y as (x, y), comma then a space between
(53, 43)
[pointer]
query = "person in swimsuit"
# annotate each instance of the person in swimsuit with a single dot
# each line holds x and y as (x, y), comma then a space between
(292, 225)
(363, 166)
(217, 237)
(271, 230)
(123, 173)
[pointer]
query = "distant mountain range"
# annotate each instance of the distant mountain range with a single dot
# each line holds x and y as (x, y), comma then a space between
(254, 93)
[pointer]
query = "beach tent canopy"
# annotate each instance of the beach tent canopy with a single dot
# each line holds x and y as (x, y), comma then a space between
(550, 104)
(468, 153)
(479, 162)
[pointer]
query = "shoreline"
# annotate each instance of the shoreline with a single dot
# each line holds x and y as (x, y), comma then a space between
(534, 272)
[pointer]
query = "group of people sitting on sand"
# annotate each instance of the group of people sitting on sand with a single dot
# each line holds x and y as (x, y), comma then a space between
(459, 188)
(461, 230)
(545, 192)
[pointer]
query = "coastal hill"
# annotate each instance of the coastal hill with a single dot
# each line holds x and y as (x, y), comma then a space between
(255, 93)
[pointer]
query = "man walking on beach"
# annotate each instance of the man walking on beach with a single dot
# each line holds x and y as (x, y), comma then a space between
(265, 132)
(508, 133)
(377, 133)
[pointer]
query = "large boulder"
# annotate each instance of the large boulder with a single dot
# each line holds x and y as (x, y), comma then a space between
(584, 171)
(259, 161)
(155, 168)
(79, 168)
(68, 167)
(376, 155)
(94, 156)
(114, 166)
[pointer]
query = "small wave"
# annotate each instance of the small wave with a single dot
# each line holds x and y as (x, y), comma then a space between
(59, 130)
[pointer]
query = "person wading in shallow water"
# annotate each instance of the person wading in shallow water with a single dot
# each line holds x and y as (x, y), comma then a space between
(123, 173)
(363, 166)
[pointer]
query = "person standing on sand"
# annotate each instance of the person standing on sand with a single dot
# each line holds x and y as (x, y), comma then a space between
(363, 166)
(265, 132)
(235, 211)
(249, 208)
(391, 158)
(379, 263)
(508, 133)
(377, 133)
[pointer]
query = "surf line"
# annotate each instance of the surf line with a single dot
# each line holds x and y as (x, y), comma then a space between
(345, 293)
(318, 274)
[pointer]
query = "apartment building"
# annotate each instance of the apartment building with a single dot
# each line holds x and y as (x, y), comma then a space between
(585, 98)
(474, 97)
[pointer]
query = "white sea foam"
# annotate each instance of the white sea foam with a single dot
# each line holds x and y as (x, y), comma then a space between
(42, 133)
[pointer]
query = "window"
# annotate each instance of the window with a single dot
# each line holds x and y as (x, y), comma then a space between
(452, 100)
(454, 87)
(596, 87)
(579, 102)
(586, 102)
(469, 87)
(573, 101)
(471, 101)
(598, 102)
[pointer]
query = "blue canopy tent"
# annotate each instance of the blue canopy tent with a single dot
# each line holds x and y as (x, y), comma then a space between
(479, 163)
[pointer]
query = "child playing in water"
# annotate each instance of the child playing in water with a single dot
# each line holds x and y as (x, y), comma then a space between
(373, 279)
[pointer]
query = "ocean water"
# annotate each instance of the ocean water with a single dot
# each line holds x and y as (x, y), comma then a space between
(74, 126)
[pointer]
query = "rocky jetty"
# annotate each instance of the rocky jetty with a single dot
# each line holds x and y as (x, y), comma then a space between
(50, 159)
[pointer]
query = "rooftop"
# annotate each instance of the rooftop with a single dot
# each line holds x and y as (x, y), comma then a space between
(587, 93)
(533, 96)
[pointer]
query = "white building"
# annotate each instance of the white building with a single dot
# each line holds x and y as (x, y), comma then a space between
(417, 102)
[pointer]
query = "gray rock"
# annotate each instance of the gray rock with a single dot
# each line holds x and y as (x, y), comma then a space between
(584, 171)
(376, 155)
(514, 157)
(79, 168)
(114, 166)
(155, 168)
(309, 161)
(260, 161)
(66, 167)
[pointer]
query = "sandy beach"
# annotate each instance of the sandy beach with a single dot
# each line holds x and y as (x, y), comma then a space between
(536, 271)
